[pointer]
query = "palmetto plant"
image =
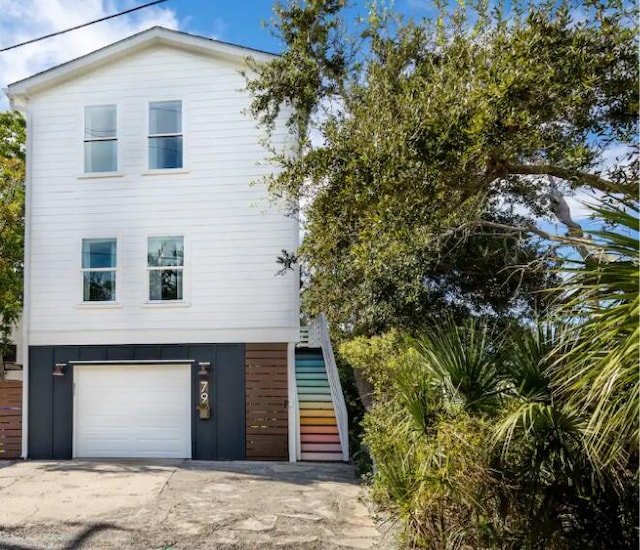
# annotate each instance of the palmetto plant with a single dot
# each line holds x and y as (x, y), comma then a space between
(462, 362)
(599, 371)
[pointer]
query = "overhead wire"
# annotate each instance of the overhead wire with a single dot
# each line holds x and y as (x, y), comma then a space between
(57, 33)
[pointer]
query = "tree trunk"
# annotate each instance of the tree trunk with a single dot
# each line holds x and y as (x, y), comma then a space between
(365, 389)
(558, 205)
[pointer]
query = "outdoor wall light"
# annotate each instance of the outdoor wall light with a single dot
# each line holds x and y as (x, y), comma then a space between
(58, 369)
(204, 368)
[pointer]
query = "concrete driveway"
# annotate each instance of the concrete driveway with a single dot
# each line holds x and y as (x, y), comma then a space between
(182, 505)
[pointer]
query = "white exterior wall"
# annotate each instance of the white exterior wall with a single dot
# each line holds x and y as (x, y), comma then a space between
(232, 233)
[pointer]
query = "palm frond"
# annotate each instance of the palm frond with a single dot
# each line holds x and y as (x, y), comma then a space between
(599, 373)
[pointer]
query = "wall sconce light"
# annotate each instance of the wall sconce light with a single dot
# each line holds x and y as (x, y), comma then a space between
(204, 368)
(58, 369)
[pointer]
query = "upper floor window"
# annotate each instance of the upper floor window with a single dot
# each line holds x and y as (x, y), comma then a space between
(100, 139)
(99, 270)
(165, 264)
(165, 134)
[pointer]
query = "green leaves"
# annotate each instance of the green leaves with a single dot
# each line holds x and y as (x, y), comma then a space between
(12, 139)
(599, 372)
(423, 127)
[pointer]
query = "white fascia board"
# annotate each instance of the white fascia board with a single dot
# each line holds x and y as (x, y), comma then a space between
(113, 52)
(107, 337)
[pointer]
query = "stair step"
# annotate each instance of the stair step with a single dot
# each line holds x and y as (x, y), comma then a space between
(319, 438)
(313, 384)
(317, 421)
(311, 375)
(321, 457)
(310, 362)
(315, 390)
(319, 413)
(316, 405)
(309, 353)
(320, 448)
(310, 370)
(313, 397)
(323, 430)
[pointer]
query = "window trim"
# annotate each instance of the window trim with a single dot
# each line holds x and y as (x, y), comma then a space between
(178, 170)
(177, 302)
(104, 174)
(115, 270)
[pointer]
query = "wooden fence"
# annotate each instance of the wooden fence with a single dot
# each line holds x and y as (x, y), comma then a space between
(10, 419)
(266, 402)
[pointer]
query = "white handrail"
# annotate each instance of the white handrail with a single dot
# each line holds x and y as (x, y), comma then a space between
(339, 404)
(310, 335)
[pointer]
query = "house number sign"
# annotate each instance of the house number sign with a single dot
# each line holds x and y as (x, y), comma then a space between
(203, 406)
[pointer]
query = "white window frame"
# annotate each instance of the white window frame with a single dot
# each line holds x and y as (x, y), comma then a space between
(92, 140)
(166, 268)
(175, 134)
(114, 269)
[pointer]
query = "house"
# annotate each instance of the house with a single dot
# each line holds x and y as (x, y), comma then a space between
(155, 324)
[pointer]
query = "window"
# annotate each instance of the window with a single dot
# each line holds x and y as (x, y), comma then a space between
(165, 261)
(100, 139)
(165, 134)
(99, 270)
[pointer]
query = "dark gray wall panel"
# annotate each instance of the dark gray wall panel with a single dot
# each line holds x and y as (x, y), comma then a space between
(173, 352)
(146, 353)
(90, 353)
(119, 353)
(40, 382)
(230, 402)
(51, 398)
(204, 439)
(62, 399)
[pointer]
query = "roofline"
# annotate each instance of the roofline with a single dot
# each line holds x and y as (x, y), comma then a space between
(118, 49)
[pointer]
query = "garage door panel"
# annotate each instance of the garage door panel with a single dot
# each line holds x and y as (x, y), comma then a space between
(136, 411)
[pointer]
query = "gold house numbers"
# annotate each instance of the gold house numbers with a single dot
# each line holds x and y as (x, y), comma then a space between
(203, 405)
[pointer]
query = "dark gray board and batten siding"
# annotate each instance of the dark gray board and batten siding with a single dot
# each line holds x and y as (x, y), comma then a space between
(51, 397)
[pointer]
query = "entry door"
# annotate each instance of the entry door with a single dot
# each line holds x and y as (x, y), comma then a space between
(132, 411)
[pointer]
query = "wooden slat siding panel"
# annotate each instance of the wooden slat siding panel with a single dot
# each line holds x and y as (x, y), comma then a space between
(10, 419)
(266, 402)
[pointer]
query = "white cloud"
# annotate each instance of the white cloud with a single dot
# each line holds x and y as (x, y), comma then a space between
(579, 202)
(28, 19)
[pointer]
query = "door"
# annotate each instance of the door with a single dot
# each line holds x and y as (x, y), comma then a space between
(132, 411)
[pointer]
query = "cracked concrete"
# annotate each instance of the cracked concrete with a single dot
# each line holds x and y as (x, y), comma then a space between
(183, 505)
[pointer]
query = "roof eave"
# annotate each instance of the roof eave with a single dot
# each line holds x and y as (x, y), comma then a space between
(112, 52)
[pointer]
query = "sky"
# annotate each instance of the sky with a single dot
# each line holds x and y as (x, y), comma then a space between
(237, 21)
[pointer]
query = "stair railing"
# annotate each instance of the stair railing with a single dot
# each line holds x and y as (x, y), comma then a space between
(310, 335)
(339, 404)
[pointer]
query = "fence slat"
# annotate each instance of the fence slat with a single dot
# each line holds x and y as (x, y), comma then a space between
(10, 419)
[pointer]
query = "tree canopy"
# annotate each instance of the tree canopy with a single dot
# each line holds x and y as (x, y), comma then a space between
(429, 151)
(12, 171)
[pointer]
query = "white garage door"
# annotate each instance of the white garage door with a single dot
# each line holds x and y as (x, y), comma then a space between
(136, 411)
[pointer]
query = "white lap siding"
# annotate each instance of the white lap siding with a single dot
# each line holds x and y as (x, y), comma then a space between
(232, 232)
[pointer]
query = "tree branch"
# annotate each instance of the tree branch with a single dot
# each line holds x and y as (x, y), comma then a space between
(580, 243)
(559, 172)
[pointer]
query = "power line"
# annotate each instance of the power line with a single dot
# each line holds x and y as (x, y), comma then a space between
(83, 25)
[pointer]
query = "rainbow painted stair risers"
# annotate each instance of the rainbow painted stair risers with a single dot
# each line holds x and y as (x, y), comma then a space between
(319, 438)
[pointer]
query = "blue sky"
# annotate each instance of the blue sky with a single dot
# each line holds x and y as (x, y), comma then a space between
(236, 21)
(232, 21)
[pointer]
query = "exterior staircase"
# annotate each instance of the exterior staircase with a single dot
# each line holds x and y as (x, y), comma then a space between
(319, 438)
(322, 414)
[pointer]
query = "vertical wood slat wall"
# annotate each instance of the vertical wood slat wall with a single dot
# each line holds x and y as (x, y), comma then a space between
(266, 402)
(10, 419)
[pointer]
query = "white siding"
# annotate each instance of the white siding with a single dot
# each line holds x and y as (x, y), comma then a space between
(232, 233)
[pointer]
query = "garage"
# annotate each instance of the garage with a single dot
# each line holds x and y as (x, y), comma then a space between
(135, 410)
